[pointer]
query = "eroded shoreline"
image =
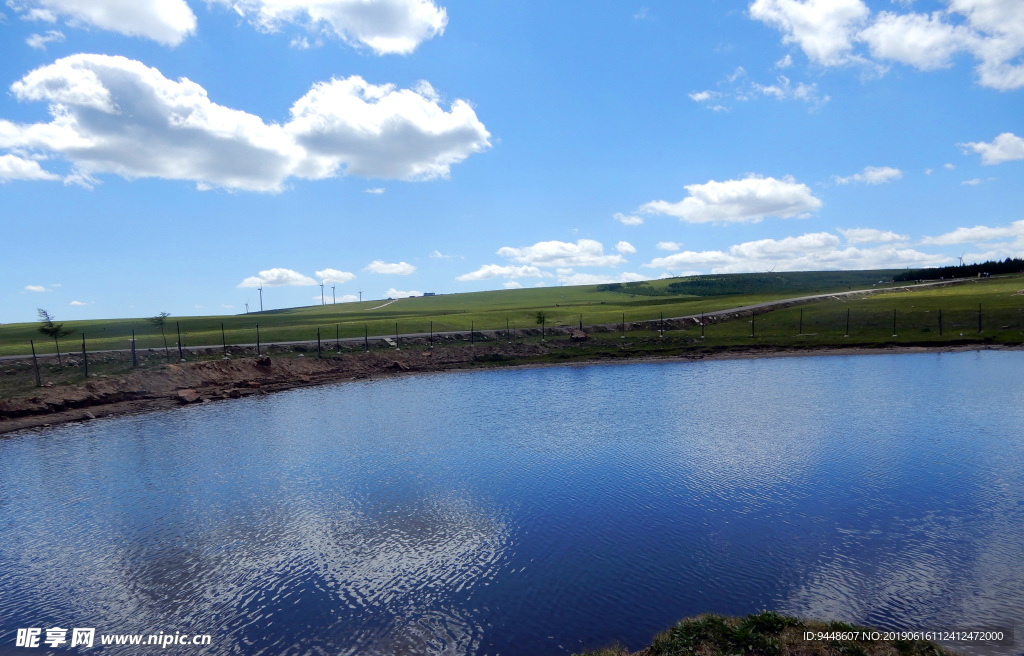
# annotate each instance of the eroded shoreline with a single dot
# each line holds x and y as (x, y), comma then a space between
(172, 385)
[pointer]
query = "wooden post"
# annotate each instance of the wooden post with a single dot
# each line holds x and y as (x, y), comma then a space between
(581, 323)
(847, 322)
(366, 337)
(258, 340)
(543, 324)
(181, 355)
(85, 359)
(662, 324)
(35, 363)
(702, 324)
(753, 315)
(431, 333)
(894, 322)
(318, 354)
(223, 339)
(801, 322)
(623, 326)
(979, 317)
(396, 334)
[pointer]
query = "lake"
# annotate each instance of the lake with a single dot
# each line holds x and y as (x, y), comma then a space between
(530, 511)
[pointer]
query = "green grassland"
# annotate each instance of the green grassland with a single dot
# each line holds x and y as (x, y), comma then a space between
(823, 323)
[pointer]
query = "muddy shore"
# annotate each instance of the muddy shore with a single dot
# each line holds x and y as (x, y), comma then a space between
(184, 383)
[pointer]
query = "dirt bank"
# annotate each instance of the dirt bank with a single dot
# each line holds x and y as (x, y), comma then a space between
(169, 385)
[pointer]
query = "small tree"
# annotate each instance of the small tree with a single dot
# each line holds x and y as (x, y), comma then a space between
(159, 321)
(542, 317)
(54, 330)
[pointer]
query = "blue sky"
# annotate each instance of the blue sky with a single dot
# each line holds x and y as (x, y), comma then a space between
(175, 155)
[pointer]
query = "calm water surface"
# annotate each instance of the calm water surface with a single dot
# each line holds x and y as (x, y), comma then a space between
(534, 511)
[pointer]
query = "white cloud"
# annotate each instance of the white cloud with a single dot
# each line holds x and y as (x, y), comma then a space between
(512, 284)
(924, 41)
(278, 278)
(348, 298)
(739, 201)
(872, 175)
(39, 41)
(489, 271)
(384, 132)
(808, 252)
(13, 167)
(570, 277)
(668, 246)
(871, 236)
(394, 293)
(948, 166)
(584, 253)
(385, 26)
(785, 62)
(166, 21)
(335, 276)
(1007, 147)
(35, 288)
(823, 29)
(829, 32)
(625, 248)
(628, 220)
(390, 268)
(78, 303)
(374, 190)
(641, 14)
(784, 89)
(973, 182)
(977, 234)
(116, 115)
(704, 96)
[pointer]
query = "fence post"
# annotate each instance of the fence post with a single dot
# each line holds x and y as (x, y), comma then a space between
(318, 343)
(181, 356)
(396, 334)
(702, 324)
(35, 363)
(431, 333)
(753, 316)
(801, 322)
(894, 322)
(472, 336)
(223, 339)
(847, 323)
(623, 326)
(85, 359)
(662, 324)
(337, 337)
(258, 339)
(366, 337)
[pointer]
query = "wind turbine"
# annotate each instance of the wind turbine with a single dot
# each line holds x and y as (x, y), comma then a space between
(247, 307)
(334, 299)
(322, 301)
(360, 296)
(261, 296)
(962, 258)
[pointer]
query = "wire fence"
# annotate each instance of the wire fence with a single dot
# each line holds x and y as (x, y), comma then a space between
(792, 326)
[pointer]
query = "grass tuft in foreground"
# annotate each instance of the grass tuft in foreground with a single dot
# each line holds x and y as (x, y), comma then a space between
(769, 634)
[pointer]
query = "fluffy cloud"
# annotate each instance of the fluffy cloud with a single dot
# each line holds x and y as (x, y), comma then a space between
(39, 41)
(625, 248)
(512, 284)
(584, 253)
(627, 219)
(823, 29)
(278, 278)
(166, 21)
(385, 26)
(871, 236)
(1004, 148)
(35, 288)
(394, 293)
(374, 190)
(116, 115)
(391, 268)
(739, 201)
(977, 234)
(335, 276)
(668, 246)
(13, 167)
(489, 271)
(873, 175)
(808, 252)
(829, 31)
